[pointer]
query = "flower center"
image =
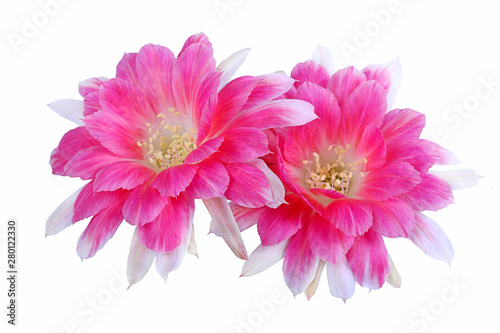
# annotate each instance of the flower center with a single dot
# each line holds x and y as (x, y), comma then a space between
(336, 175)
(167, 145)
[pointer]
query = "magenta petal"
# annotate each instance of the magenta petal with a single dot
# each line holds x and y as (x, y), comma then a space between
(391, 180)
(230, 65)
(269, 87)
(90, 203)
(431, 239)
(74, 141)
(169, 228)
(281, 223)
(248, 186)
(123, 174)
(211, 181)
(326, 241)
(442, 155)
(368, 260)
(300, 263)
(91, 85)
(58, 162)
(343, 83)
(353, 217)
(372, 147)
(378, 73)
(91, 104)
(143, 204)
(277, 188)
(205, 150)
(172, 181)
(402, 124)
(100, 229)
(200, 38)
(366, 104)
(87, 162)
(309, 71)
(126, 69)
(432, 193)
(393, 218)
(242, 144)
(245, 217)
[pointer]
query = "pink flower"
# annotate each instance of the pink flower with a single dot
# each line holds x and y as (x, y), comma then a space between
(162, 133)
(352, 177)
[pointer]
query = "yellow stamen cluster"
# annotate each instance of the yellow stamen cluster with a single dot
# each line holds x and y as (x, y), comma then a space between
(167, 145)
(336, 175)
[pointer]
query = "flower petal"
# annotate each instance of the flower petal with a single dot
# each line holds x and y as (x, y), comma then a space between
(378, 73)
(172, 181)
(310, 71)
(277, 188)
(204, 151)
(458, 179)
(211, 181)
(123, 174)
(224, 221)
(395, 69)
(245, 217)
(91, 85)
(248, 186)
(139, 260)
(74, 141)
(300, 263)
(393, 218)
(264, 257)
(242, 145)
(431, 239)
(432, 193)
(368, 260)
(323, 56)
(143, 204)
(402, 125)
(372, 147)
(230, 65)
(340, 279)
(394, 279)
(343, 83)
(87, 162)
(269, 87)
(311, 289)
(353, 217)
(90, 203)
(62, 217)
(70, 109)
(326, 241)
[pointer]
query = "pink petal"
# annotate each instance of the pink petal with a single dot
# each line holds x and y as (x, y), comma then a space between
(402, 124)
(248, 186)
(62, 217)
(172, 181)
(74, 141)
(341, 279)
(432, 193)
(169, 228)
(300, 263)
(126, 69)
(100, 229)
(269, 87)
(139, 260)
(413, 152)
(245, 217)
(70, 109)
(123, 174)
(366, 104)
(91, 104)
(264, 257)
(277, 189)
(395, 69)
(393, 218)
(242, 145)
(91, 85)
(378, 73)
(343, 83)
(87, 162)
(143, 204)
(391, 180)
(200, 38)
(368, 260)
(229, 66)
(58, 162)
(353, 217)
(443, 156)
(224, 221)
(205, 150)
(283, 222)
(431, 239)
(326, 241)
(90, 203)
(279, 113)
(310, 71)
(211, 181)
(372, 147)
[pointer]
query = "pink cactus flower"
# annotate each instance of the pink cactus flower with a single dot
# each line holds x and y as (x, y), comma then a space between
(357, 174)
(168, 130)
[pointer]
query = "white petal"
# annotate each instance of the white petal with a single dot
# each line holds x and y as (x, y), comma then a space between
(395, 68)
(264, 257)
(277, 189)
(170, 261)
(62, 217)
(323, 56)
(431, 239)
(224, 221)
(340, 279)
(458, 179)
(311, 289)
(229, 66)
(71, 109)
(394, 279)
(139, 261)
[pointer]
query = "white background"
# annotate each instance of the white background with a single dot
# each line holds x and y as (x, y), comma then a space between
(446, 48)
